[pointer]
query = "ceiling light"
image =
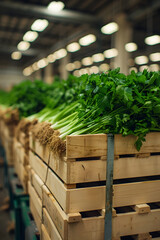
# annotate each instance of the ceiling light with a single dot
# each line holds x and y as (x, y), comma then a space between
(87, 40)
(77, 64)
(76, 73)
(42, 63)
(84, 71)
(155, 57)
(141, 60)
(133, 69)
(23, 46)
(87, 61)
(39, 25)
(30, 36)
(61, 53)
(70, 67)
(16, 55)
(73, 47)
(154, 67)
(141, 68)
(131, 47)
(27, 71)
(104, 67)
(56, 6)
(51, 58)
(152, 40)
(35, 66)
(110, 28)
(98, 57)
(110, 53)
(94, 69)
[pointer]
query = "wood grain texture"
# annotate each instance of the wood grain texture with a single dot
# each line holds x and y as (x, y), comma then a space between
(55, 211)
(37, 183)
(38, 166)
(44, 233)
(50, 227)
(86, 146)
(133, 223)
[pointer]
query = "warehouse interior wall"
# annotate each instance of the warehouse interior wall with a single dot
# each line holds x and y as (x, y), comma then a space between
(10, 76)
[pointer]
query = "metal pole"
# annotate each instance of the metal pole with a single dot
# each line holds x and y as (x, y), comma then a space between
(109, 187)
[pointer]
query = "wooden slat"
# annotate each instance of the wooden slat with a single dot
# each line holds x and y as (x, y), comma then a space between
(58, 189)
(125, 145)
(35, 200)
(37, 183)
(136, 193)
(44, 233)
(136, 167)
(35, 215)
(132, 223)
(55, 211)
(38, 166)
(86, 146)
(50, 227)
(96, 145)
(42, 151)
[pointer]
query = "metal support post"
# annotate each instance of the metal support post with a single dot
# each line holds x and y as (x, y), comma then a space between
(109, 187)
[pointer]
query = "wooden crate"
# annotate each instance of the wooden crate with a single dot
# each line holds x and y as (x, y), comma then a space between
(8, 146)
(92, 197)
(85, 158)
(35, 206)
(44, 234)
(76, 182)
(88, 226)
(21, 163)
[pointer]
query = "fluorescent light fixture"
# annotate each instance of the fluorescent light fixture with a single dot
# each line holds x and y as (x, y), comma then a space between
(87, 40)
(154, 67)
(140, 60)
(42, 63)
(56, 6)
(131, 47)
(70, 67)
(87, 61)
(104, 67)
(16, 55)
(110, 53)
(98, 57)
(30, 36)
(110, 28)
(155, 57)
(61, 53)
(51, 58)
(35, 66)
(84, 71)
(73, 47)
(27, 71)
(77, 64)
(39, 25)
(141, 68)
(94, 69)
(76, 73)
(133, 69)
(23, 46)
(152, 40)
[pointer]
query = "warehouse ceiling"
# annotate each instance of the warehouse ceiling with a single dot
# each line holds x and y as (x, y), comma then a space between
(76, 20)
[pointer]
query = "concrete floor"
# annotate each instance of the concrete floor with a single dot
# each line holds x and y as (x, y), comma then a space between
(5, 219)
